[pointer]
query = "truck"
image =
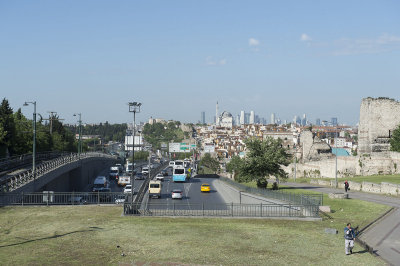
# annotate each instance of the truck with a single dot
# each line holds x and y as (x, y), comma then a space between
(155, 189)
(124, 180)
(129, 168)
(114, 172)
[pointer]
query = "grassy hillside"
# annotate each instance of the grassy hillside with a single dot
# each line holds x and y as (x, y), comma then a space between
(86, 235)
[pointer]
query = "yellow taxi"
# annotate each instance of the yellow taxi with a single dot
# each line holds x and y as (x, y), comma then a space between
(205, 188)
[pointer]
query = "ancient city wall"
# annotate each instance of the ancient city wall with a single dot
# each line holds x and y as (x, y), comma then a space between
(377, 117)
(324, 168)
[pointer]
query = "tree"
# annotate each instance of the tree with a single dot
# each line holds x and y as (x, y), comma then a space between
(23, 133)
(209, 162)
(263, 159)
(234, 166)
(395, 140)
(7, 126)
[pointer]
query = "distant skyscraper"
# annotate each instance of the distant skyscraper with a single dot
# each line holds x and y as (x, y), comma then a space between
(216, 115)
(203, 118)
(295, 119)
(334, 121)
(257, 119)
(304, 120)
(241, 117)
(246, 118)
(251, 117)
(318, 122)
(237, 122)
(273, 118)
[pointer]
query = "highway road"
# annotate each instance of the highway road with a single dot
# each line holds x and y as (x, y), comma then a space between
(193, 198)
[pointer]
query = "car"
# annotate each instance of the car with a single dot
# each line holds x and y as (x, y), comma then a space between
(177, 194)
(139, 176)
(205, 187)
(128, 189)
(120, 199)
(164, 172)
(160, 177)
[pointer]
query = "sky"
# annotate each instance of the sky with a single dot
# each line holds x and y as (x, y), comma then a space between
(178, 58)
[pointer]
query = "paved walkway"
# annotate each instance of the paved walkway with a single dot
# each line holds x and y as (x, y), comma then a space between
(384, 236)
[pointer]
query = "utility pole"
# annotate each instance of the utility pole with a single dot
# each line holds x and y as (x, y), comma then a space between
(51, 118)
(80, 134)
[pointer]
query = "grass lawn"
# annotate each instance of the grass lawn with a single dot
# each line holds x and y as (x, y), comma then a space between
(86, 235)
(394, 179)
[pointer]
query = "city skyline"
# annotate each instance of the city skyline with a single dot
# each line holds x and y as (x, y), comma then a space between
(177, 57)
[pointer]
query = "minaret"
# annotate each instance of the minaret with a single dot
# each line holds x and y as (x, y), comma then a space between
(216, 115)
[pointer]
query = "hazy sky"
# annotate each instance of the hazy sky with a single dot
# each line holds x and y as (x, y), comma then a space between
(179, 57)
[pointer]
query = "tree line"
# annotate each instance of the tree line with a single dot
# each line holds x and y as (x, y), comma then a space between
(16, 134)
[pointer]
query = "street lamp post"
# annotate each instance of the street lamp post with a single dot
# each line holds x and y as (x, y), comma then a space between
(336, 183)
(134, 107)
(80, 134)
(34, 138)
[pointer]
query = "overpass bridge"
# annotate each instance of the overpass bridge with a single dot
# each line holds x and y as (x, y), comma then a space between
(70, 172)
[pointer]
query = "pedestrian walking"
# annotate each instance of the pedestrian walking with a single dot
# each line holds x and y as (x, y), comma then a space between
(349, 237)
(346, 186)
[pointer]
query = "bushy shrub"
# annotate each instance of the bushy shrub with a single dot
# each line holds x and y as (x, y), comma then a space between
(262, 182)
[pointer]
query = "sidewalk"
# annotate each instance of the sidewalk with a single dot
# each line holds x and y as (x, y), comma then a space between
(384, 236)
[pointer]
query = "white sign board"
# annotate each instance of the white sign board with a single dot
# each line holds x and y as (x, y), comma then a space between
(174, 147)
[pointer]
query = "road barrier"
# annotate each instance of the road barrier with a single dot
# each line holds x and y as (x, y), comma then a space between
(61, 198)
(133, 208)
(301, 199)
(228, 210)
(16, 181)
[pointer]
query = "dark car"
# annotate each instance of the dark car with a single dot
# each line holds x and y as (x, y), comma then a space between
(139, 176)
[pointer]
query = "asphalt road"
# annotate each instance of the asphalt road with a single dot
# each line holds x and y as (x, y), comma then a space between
(193, 198)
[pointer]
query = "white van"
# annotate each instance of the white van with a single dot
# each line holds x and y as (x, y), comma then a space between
(172, 163)
(145, 171)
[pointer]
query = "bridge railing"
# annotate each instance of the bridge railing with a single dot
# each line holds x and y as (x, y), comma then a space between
(16, 181)
(24, 159)
(61, 198)
(228, 210)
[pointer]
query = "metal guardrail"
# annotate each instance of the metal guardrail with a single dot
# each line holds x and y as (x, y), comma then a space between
(16, 181)
(61, 198)
(228, 210)
(301, 199)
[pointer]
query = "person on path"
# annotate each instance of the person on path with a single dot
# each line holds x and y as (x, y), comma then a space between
(349, 237)
(346, 186)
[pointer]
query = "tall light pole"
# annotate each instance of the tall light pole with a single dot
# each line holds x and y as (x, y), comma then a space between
(336, 183)
(80, 134)
(134, 107)
(34, 138)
